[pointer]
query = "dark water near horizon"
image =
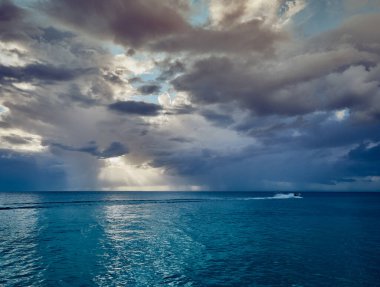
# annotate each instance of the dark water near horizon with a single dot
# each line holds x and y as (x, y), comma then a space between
(189, 239)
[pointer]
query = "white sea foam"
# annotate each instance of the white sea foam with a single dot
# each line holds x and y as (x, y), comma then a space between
(276, 196)
(286, 196)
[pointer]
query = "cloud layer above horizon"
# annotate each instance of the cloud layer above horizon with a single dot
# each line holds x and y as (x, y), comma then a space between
(189, 95)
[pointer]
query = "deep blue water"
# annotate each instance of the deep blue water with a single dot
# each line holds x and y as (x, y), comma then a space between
(189, 239)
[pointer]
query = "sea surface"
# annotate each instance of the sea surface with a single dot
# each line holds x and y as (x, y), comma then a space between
(189, 239)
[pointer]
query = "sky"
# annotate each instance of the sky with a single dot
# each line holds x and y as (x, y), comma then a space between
(226, 95)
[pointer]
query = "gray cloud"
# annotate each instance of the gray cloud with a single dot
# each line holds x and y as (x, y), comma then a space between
(181, 140)
(252, 36)
(15, 23)
(9, 12)
(361, 161)
(217, 118)
(367, 153)
(5, 125)
(160, 26)
(115, 149)
(21, 172)
(260, 105)
(170, 69)
(53, 35)
(131, 23)
(43, 72)
(11, 22)
(359, 31)
(304, 82)
(135, 108)
(16, 140)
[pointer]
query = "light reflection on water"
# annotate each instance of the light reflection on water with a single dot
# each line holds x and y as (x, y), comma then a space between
(139, 236)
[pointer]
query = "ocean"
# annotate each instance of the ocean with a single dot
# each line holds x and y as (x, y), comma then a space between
(189, 239)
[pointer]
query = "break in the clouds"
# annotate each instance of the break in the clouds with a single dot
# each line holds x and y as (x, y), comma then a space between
(189, 95)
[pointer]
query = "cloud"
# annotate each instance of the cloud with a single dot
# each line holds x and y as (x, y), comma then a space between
(41, 72)
(53, 35)
(158, 26)
(181, 140)
(21, 172)
(248, 37)
(299, 79)
(131, 23)
(15, 23)
(4, 125)
(135, 108)
(115, 149)
(218, 119)
(366, 152)
(170, 69)
(362, 161)
(358, 32)
(16, 139)
(246, 100)
(11, 17)
(9, 12)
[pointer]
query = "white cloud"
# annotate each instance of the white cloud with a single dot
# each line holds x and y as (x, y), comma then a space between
(20, 141)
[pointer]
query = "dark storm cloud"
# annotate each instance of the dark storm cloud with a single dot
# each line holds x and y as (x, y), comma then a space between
(12, 24)
(20, 172)
(9, 12)
(128, 22)
(362, 161)
(269, 99)
(320, 130)
(43, 72)
(149, 89)
(160, 26)
(135, 108)
(185, 164)
(366, 152)
(253, 165)
(115, 149)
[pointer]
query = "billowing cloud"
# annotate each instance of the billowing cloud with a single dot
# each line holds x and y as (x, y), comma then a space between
(301, 84)
(133, 23)
(161, 26)
(148, 94)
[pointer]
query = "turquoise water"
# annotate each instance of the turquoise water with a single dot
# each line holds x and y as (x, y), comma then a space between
(189, 239)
